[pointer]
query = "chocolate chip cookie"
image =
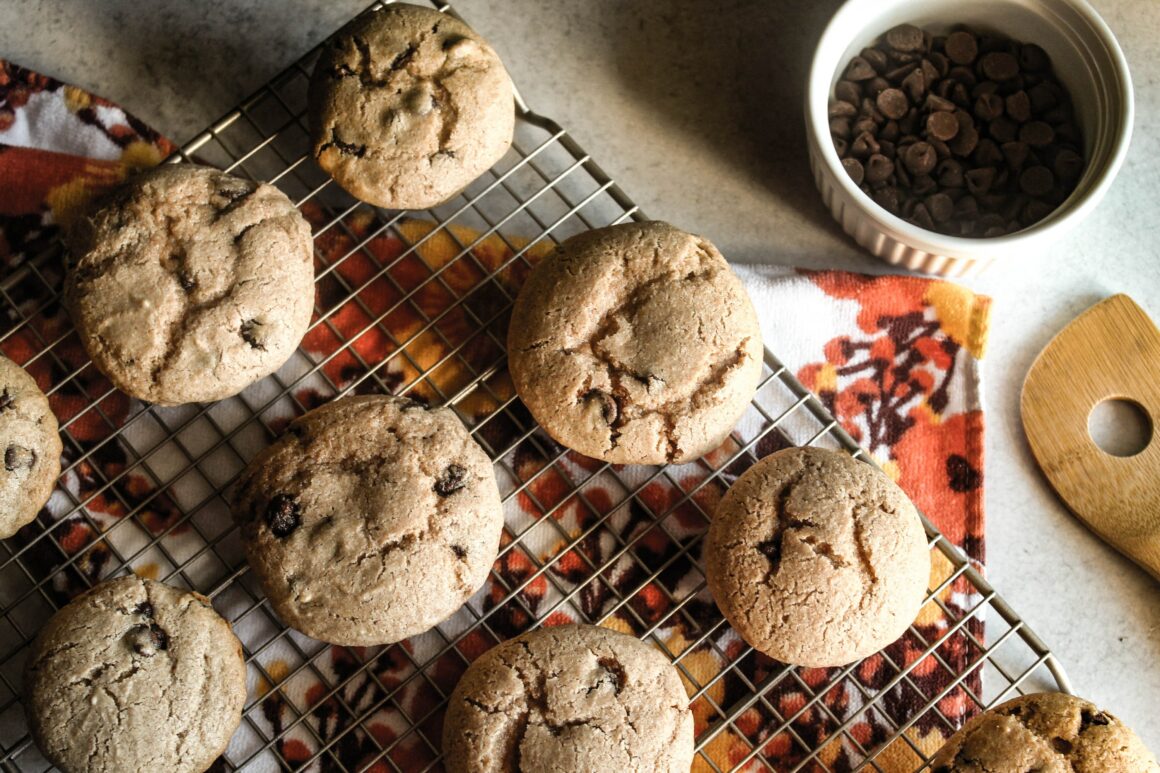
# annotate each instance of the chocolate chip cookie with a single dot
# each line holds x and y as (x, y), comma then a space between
(135, 675)
(635, 344)
(1048, 732)
(408, 106)
(571, 697)
(190, 284)
(30, 443)
(370, 520)
(817, 559)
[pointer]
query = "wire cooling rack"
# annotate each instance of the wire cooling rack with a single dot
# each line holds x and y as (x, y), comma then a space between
(417, 303)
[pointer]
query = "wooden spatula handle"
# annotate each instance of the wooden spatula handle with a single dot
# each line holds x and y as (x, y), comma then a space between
(1112, 350)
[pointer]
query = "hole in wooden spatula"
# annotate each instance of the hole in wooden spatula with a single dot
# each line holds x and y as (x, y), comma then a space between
(1120, 427)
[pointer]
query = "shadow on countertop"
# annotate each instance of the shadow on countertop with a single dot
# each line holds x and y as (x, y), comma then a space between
(734, 76)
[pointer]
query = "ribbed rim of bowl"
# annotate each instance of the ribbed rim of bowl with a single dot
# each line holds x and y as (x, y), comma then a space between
(1087, 195)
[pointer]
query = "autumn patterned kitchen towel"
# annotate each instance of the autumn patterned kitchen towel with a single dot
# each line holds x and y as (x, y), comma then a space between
(895, 358)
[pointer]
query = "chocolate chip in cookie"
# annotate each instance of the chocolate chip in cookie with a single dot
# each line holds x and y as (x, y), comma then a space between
(283, 515)
(452, 479)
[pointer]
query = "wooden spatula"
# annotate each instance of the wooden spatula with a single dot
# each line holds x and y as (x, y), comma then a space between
(1110, 351)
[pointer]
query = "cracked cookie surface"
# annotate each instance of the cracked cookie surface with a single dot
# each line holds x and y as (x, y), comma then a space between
(135, 675)
(189, 284)
(370, 520)
(30, 446)
(408, 106)
(1048, 733)
(635, 344)
(817, 559)
(567, 698)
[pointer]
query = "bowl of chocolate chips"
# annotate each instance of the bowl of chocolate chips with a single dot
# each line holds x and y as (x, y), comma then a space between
(947, 136)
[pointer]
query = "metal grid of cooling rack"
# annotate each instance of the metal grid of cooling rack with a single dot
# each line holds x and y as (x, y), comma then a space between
(143, 489)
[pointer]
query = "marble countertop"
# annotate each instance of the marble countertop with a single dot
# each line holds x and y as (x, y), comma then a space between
(694, 108)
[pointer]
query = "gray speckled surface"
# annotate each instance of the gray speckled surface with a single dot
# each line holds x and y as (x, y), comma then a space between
(694, 108)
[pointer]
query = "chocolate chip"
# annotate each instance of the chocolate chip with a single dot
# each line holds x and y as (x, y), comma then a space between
(459, 551)
(1016, 154)
(840, 127)
(186, 281)
(159, 636)
(888, 199)
(942, 125)
(987, 153)
(999, 66)
(613, 667)
(966, 140)
(1019, 106)
(940, 206)
(452, 479)
(979, 180)
(961, 47)
(1036, 181)
(920, 158)
(1032, 58)
(18, 458)
(1037, 134)
(950, 173)
(144, 608)
(848, 91)
(283, 515)
(905, 37)
(1061, 745)
(988, 107)
(935, 102)
(1087, 718)
(915, 86)
(967, 208)
(609, 408)
(1003, 129)
(6, 400)
(148, 640)
(859, 70)
(249, 332)
(899, 74)
(841, 109)
(921, 217)
(876, 59)
(889, 131)
(1043, 97)
(879, 168)
(855, 169)
(1068, 165)
(347, 148)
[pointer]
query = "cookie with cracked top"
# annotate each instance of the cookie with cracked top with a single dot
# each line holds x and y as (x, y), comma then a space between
(635, 344)
(1049, 732)
(370, 520)
(30, 446)
(408, 106)
(570, 697)
(189, 284)
(817, 559)
(134, 675)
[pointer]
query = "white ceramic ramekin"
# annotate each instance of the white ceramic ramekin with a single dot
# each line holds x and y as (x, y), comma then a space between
(1087, 59)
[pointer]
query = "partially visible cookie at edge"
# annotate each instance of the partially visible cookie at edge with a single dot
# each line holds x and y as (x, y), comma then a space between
(817, 559)
(31, 447)
(571, 697)
(135, 675)
(408, 106)
(635, 344)
(188, 284)
(370, 520)
(1049, 732)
